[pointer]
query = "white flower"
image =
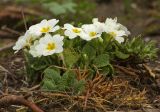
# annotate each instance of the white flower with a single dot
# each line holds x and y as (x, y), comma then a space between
(29, 38)
(45, 26)
(23, 41)
(125, 29)
(49, 45)
(111, 24)
(118, 35)
(99, 25)
(19, 44)
(90, 31)
(72, 31)
(116, 30)
(33, 51)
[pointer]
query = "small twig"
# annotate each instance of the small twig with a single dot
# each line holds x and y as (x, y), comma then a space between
(27, 11)
(18, 100)
(62, 58)
(157, 70)
(81, 74)
(5, 81)
(8, 72)
(125, 70)
(11, 30)
(51, 95)
(4, 70)
(86, 99)
(24, 20)
(64, 68)
(85, 74)
(78, 73)
(34, 87)
(8, 46)
(149, 70)
(39, 101)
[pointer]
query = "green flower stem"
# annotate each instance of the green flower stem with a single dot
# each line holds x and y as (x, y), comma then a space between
(100, 45)
(108, 42)
(62, 58)
(116, 44)
(49, 59)
(25, 56)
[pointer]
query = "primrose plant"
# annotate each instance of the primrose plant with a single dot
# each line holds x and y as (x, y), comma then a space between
(54, 54)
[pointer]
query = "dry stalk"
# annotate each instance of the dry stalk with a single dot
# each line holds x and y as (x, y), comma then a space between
(82, 74)
(15, 12)
(64, 68)
(149, 70)
(126, 71)
(9, 30)
(18, 100)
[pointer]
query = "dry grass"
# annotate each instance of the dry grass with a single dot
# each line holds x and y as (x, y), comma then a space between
(125, 91)
(101, 94)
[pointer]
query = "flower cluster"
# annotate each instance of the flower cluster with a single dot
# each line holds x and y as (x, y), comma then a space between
(42, 40)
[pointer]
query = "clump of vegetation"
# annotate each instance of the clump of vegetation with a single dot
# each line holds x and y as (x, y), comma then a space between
(66, 58)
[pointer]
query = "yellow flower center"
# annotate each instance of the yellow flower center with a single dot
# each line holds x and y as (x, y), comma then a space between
(45, 29)
(92, 34)
(75, 30)
(51, 46)
(113, 34)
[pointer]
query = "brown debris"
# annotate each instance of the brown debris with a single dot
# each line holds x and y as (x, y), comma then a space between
(149, 70)
(6, 47)
(125, 70)
(16, 12)
(18, 100)
(12, 18)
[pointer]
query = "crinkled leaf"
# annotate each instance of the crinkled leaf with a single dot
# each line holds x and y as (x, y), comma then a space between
(101, 60)
(52, 74)
(69, 78)
(107, 70)
(70, 57)
(51, 79)
(79, 86)
(48, 85)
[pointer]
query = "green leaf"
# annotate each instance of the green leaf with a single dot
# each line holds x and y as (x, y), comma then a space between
(89, 51)
(69, 78)
(51, 79)
(140, 49)
(101, 60)
(55, 8)
(121, 55)
(52, 74)
(79, 86)
(48, 85)
(107, 70)
(70, 57)
(39, 63)
(70, 6)
(67, 82)
(58, 9)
